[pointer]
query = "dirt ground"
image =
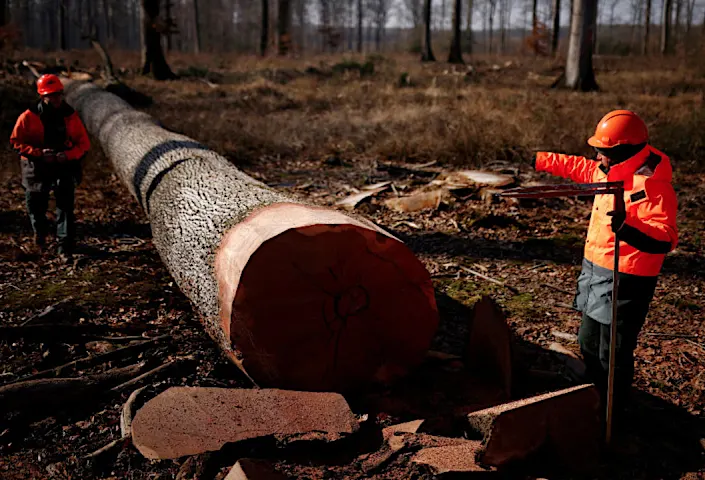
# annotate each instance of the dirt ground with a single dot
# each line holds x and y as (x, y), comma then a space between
(319, 129)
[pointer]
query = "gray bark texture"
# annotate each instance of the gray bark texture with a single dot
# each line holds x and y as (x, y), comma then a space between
(173, 177)
(579, 74)
(427, 51)
(275, 324)
(456, 52)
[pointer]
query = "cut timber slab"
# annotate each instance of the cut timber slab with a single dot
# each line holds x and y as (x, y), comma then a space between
(454, 460)
(188, 421)
(397, 442)
(566, 421)
(251, 469)
(489, 352)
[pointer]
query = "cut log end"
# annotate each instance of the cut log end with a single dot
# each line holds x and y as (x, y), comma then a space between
(318, 300)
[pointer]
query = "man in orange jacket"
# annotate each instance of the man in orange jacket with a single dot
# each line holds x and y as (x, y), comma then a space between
(647, 231)
(51, 141)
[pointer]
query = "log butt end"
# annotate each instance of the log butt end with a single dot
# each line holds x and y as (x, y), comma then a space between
(328, 303)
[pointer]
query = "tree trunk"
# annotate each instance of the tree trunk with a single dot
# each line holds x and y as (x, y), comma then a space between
(534, 15)
(61, 25)
(169, 21)
(107, 14)
(300, 297)
(360, 16)
(197, 29)
(3, 12)
(283, 26)
(468, 28)
(426, 50)
(153, 60)
(677, 22)
(666, 27)
(579, 74)
(647, 29)
(456, 50)
(556, 26)
(264, 29)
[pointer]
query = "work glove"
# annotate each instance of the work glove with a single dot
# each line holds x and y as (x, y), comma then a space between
(618, 219)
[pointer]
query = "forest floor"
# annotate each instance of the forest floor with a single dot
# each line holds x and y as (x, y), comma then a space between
(319, 128)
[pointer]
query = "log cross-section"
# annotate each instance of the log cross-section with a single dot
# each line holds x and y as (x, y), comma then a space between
(298, 296)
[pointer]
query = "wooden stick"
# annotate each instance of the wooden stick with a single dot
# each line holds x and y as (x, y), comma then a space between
(105, 449)
(48, 393)
(558, 289)
(57, 333)
(127, 413)
(45, 312)
(664, 334)
(97, 359)
(151, 373)
(490, 279)
(565, 305)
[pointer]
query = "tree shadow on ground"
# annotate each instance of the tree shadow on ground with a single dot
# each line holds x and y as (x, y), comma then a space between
(654, 439)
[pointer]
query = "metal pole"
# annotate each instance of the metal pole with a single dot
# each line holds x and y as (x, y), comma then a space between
(618, 207)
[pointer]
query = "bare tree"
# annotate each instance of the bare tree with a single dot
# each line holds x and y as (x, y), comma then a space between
(414, 11)
(534, 15)
(456, 51)
(61, 24)
(556, 26)
(490, 8)
(379, 10)
(196, 29)
(468, 26)
(264, 29)
(505, 18)
(579, 74)
(666, 27)
(3, 10)
(283, 26)
(360, 18)
(677, 22)
(427, 51)
(153, 60)
(647, 29)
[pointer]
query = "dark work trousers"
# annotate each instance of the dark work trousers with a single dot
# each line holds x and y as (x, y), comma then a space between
(39, 181)
(594, 340)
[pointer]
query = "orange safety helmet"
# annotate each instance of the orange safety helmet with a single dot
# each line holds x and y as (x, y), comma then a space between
(620, 127)
(48, 84)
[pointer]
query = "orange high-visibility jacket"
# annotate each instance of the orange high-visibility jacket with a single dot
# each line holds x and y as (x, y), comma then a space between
(28, 135)
(650, 200)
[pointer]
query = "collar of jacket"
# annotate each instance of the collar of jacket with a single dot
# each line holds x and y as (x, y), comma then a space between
(625, 170)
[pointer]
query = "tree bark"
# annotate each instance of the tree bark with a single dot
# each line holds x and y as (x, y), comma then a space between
(264, 28)
(360, 15)
(677, 22)
(107, 18)
(456, 50)
(426, 50)
(647, 29)
(534, 15)
(283, 27)
(666, 27)
(3, 12)
(60, 24)
(298, 296)
(153, 60)
(579, 74)
(556, 26)
(197, 29)
(468, 27)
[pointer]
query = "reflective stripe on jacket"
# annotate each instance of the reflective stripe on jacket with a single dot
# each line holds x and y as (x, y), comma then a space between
(650, 201)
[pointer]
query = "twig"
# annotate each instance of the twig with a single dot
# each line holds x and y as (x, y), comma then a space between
(150, 373)
(700, 346)
(31, 68)
(558, 289)
(126, 415)
(107, 448)
(490, 279)
(46, 311)
(565, 305)
(674, 335)
(96, 359)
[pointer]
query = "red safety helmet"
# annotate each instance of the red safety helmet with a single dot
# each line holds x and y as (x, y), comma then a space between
(48, 84)
(620, 127)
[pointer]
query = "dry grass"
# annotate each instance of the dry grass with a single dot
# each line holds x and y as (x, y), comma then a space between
(503, 109)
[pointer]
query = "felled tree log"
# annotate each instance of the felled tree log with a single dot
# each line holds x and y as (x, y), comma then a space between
(298, 296)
